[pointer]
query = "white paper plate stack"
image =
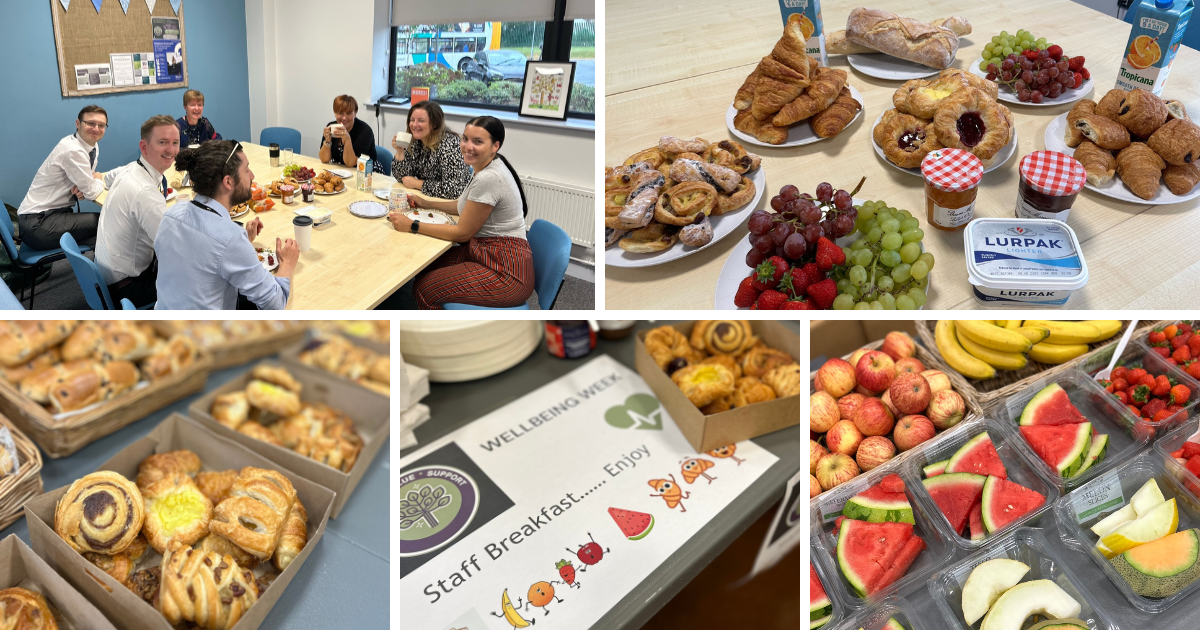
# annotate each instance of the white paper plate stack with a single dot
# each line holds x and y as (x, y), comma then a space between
(414, 385)
(455, 351)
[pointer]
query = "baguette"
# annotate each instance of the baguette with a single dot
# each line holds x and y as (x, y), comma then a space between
(836, 42)
(904, 38)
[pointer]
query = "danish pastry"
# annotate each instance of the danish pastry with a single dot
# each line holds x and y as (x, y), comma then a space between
(972, 121)
(1142, 112)
(749, 390)
(614, 200)
(216, 484)
(703, 384)
(671, 146)
(1177, 142)
(905, 139)
(221, 546)
(1140, 169)
(101, 512)
(278, 376)
(785, 380)
(120, 566)
(169, 464)
(612, 233)
(639, 209)
(1099, 163)
(833, 119)
(719, 405)
(1104, 132)
(989, 87)
(205, 588)
(722, 336)
(759, 361)
(733, 156)
(253, 515)
(921, 98)
(272, 398)
(719, 177)
(23, 609)
(294, 537)
(1072, 136)
(726, 360)
(681, 204)
(699, 233)
(651, 156)
(665, 344)
(231, 409)
(1182, 178)
(175, 510)
(743, 195)
(655, 237)
(1110, 103)
(258, 431)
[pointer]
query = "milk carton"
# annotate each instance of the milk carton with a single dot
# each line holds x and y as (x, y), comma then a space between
(362, 175)
(1157, 30)
(810, 23)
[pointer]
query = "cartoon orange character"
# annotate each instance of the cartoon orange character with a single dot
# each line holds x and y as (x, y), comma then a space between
(726, 451)
(670, 492)
(540, 595)
(693, 468)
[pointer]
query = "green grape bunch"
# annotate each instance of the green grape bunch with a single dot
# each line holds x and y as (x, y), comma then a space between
(885, 268)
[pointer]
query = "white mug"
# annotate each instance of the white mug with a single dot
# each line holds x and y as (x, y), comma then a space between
(335, 127)
(403, 139)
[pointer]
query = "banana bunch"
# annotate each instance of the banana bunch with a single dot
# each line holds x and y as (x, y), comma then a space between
(977, 348)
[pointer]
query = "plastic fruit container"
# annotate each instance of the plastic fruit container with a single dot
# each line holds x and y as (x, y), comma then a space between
(1126, 434)
(874, 617)
(1027, 545)
(1016, 463)
(826, 507)
(1172, 442)
(839, 610)
(1138, 354)
(1075, 518)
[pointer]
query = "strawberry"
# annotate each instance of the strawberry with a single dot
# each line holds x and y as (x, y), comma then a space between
(1193, 368)
(1162, 386)
(1139, 394)
(1193, 344)
(1122, 396)
(829, 254)
(1186, 327)
(1119, 372)
(1182, 354)
(1193, 466)
(1075, 63)
(1162, 414)
(1171, 331)
(1152, 407)
(1031, 54)
(1120, 384)
(1135, 375)
(769, 272)
(1157, 336)
(823, 293)
(1137, 413)
(1162, 351)
(1086, 74)
(1174, 407)
(1149, 381)
(746, 293)
(1180, 394)
(813, 274)
(1178, 341)
(797, 304)
(1078, 80)
(770, 300)
(1055, 52)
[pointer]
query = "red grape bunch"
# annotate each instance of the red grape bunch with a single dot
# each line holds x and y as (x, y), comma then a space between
(1035, 75)
(799, 222)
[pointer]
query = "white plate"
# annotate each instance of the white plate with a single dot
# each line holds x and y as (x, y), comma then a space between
(1070, 95)
(799, 134)
(1005, 153)
(240, 214)
(171, 193)
(368, 209)
(887, 67)
(315, 192)
(383, 193)
(1115, 188)
(269, 255)
(723, 225)
(340, 172)
(438, 218)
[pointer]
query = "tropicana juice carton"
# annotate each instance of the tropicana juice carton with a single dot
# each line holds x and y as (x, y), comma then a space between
(810, 25)
(1157, 30)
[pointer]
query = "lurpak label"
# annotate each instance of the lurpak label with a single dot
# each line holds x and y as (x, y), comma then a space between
(1015, 251)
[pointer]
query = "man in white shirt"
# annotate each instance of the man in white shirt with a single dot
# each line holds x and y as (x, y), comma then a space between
(134, 208)
(68, 174)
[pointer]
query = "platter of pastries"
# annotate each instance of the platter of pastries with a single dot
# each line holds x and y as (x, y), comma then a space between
(239, 210)
(672, 200)
(328, 184)
(1135, 146)
(272, 188)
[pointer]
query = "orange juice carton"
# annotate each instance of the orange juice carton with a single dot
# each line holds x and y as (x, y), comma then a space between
(809, 12)
(1157, 30)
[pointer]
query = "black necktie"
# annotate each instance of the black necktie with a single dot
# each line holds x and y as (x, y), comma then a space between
(164, 186)
(92, 157)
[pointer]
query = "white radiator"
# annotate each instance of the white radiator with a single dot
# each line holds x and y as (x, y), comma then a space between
(570, 207)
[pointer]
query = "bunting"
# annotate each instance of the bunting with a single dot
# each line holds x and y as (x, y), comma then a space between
(175, 5)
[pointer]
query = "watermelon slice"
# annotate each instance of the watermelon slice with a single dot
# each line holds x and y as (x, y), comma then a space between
(878, 505)
(977, 531)
(865, 551)
(1095, 454)
(977, 456)
(1063, 447)
(892, 624)
(955, 493)
(820, 609)
(1004, 502)
(904, 559)
(935, 468)
(635, 525)
(1051, 406)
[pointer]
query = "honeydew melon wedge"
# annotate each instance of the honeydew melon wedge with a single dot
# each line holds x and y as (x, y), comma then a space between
(1141, 503)
(1160, 521)
(987, 582)
(1036, 597)
(1114, 520)
(1061, 624)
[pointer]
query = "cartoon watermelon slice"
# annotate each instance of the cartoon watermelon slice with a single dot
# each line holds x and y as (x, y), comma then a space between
(635, 525)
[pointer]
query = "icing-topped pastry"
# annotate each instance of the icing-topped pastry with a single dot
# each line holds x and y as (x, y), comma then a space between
(699, 233)
(905, 139)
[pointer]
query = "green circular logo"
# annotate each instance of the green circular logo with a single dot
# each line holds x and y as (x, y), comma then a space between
(436, 505)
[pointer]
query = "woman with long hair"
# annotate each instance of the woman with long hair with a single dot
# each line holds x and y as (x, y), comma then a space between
(433, 162)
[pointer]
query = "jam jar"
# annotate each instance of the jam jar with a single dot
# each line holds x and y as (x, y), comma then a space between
(1049, 184)
(951, 181)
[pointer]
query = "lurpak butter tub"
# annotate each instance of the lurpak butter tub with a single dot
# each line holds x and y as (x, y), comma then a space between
(1023, 262)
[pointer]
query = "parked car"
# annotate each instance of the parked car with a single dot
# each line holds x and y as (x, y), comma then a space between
(497, 65)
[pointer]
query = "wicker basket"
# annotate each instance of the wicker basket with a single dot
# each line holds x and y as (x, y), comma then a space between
(241, 351)
(60, 438)
(27, 483)
(1007, 383)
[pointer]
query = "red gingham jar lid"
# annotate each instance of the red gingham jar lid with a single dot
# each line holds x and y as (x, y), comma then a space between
(952, 170)
(1053, 173)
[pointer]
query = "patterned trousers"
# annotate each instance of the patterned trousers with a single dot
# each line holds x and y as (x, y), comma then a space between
(495, 271)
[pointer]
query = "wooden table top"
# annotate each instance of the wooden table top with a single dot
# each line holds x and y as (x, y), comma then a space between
(353, 263)
(673, 68)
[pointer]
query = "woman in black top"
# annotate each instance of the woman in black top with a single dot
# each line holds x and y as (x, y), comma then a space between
(342, 145)
(433, 162)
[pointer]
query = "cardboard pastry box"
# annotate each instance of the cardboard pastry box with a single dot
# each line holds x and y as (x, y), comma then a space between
(290, 357)
(19, 566)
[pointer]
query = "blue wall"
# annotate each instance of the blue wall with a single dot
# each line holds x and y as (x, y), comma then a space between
(35, 115)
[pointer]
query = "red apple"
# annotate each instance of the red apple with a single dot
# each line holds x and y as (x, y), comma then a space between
(848, 403)
(946, 409)
(843, 438)
(937, 380)
(823, 411)
(815, 453)
(910, 394)
(909, 365)
(874, 451)
(837, 377)
(817, 386)
(912, 430)
(873, 418)
(814, 486)
(898, 345)
(886, 398)
(858, 355)
(835, 469)
(864, 392)
(875, 371)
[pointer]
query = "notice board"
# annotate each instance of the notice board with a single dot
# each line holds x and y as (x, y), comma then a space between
(109, 50)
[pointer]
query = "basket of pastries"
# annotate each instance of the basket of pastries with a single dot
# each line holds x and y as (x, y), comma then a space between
(20, 472)
(235, 342)
(66, 383)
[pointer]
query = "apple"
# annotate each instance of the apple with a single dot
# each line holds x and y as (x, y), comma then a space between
(874, 451)
(937, 380)
(875, 371)
(864, 392)
(909, 365)
(814, 486)
(913, 430)
(886, 398)
(946, 409)
(823, 411)
(858, 355)
(815, 453)
(910, 394)
(837, 377)
(817, 386)
(848, 403)
(873, 418)
(835, 469)
(843, 438)
(898, 345)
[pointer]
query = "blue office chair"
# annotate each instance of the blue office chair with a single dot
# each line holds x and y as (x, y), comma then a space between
(27, 259)
(551, 253)
(1191, 36)
(383, 160)
(95, 291)
(285, 137)
(126, 305)
(8, 301)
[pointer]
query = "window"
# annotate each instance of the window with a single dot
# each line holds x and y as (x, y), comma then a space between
(583, 53)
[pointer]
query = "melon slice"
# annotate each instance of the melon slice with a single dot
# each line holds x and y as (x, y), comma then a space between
(954, 494)
(1114, 520)
(935, 468)
(820, 608)
(1163, 567)
(977, 456)
(987, 582)
(1095, 454)
(1004, 502)
(866, 550)
(635, 525)
(1158, 522)
(1062, 447)
(976, 522)
(1147, 497)
(1061, 624)
(1051, 406)
(878, 505)
(1035, 597)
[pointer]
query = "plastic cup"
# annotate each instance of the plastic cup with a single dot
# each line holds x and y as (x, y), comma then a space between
(303, 225)
(287, 157)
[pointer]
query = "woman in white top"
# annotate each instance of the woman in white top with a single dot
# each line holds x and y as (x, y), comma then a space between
(493, 266)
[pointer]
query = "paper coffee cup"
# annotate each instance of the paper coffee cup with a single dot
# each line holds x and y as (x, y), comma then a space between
(403, 138)
(303, 225)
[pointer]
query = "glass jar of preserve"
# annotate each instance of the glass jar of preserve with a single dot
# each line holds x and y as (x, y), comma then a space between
(1049, 184)
(951, 181)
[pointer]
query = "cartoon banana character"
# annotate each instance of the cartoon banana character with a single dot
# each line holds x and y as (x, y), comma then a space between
(670, 492)
(510, 613)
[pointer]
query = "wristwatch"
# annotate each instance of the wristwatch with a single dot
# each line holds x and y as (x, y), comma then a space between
(415, 226)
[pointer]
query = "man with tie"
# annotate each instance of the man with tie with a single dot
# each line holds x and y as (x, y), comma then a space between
(134, 208)
(68, 174)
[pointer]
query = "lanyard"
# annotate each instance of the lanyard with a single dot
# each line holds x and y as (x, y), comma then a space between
(147, 169)
(197, 203)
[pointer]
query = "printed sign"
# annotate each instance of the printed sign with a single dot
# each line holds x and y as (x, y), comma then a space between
(785, 530)
(1099, 496)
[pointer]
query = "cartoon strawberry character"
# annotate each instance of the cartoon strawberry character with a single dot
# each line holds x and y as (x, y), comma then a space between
(693, 468)
(588, 554)
(567, 572)
(670, 492)
(726, 451)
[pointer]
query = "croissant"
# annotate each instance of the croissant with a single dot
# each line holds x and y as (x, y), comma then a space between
(231, 409)
(20, 341)
(205, 588)
(1106, 133)
(1110, 103)
(17, 373)
(1073, 136)
(295, 536)
(101, 512)
(1099, 163)
(1142, 112)
(23, 609)
(833, 119)
(720, 177)
(763, 130)
(827, 83)
(1177, 142)
(785, 380)
(784, 73)
(1181, 178)
(169, 464)
(745, 94)
(1140, 169)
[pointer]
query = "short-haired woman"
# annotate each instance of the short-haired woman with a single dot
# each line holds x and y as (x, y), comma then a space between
(346, 137)
(433, 163)
(494, 265)
(194, 128)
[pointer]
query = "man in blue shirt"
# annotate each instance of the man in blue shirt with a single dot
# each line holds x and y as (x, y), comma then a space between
(205, 259)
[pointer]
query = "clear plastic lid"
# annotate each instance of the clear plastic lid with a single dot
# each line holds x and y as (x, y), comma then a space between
(895, 607)
(1025, 254)
(1139, 355)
